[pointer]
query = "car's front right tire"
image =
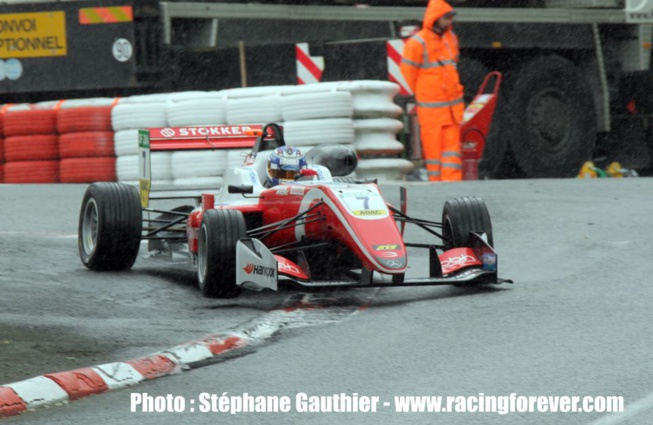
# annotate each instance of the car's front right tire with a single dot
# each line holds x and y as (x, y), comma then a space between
(461, 217)
(219, 233)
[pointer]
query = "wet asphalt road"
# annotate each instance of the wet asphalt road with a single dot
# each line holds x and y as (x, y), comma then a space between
(576, 322)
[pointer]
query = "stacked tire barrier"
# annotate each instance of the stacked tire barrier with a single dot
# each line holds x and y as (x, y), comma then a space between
(86, 146)
(31, 148)
(129, 115)
(86, 140)
(375, 128)
(202, 169)
(361, 113)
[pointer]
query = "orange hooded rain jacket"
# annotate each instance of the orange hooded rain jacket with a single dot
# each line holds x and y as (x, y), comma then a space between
(429, 65)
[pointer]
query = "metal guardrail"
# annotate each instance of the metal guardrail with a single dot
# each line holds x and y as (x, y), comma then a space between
(191, 10)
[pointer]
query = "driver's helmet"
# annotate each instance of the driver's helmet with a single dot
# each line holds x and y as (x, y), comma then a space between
(285, 164)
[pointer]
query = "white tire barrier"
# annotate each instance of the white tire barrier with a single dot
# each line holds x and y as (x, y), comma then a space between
(386, 169)
(202, 111)
(127, 168)
(370, 98)
(244, 92)
(377, 136)
(126, 142)
(259, 110)
(125, 116)
(315, 132)
(199, 182)
(317, 105)
(93, 101)
(204, 163)
(145, 98)
(183, 96)
(310, 88)
(373, 99)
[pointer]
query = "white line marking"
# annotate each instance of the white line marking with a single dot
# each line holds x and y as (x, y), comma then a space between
(631, 410)
(40, 234)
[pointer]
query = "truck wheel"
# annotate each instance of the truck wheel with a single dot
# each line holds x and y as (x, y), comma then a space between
(216, 255)
(110, 225)
(553, 119)
(460, 217)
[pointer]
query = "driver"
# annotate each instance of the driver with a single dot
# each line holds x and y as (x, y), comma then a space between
(285, 165)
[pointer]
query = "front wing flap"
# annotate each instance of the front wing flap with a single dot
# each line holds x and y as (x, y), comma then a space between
(256, 267)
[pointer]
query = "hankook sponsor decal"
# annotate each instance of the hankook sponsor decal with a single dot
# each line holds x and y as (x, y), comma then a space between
(258, 269)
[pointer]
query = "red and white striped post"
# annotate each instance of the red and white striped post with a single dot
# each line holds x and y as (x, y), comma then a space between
(395, 50)
(309, 68)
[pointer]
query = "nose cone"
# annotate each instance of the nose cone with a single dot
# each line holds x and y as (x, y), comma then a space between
(370, 228)
(398, 263)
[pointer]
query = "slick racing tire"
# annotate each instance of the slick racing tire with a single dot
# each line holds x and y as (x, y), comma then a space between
(216, 255)
(110, 225)
(461, 217)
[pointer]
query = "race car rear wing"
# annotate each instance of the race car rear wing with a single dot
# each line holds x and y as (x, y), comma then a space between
(190, 138)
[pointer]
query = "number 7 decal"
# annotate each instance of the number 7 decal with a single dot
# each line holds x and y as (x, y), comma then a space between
(366, 201)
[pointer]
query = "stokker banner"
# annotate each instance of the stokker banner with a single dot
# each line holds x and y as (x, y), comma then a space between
(66, 46)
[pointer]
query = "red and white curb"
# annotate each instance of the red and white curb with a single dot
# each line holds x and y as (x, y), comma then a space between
(63, 387)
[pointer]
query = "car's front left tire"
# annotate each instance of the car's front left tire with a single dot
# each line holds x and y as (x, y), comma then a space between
(110, 226)
(219, 233)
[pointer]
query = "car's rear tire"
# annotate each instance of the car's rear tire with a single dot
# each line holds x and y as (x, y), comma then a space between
(216, 256)
(460, 217)
(110, 226)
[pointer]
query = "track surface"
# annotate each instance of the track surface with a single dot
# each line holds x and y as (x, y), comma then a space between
(577, 321)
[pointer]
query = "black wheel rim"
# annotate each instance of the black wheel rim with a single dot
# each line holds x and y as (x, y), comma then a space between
(549, 117)
(90, 227)
(447, 233)
(202, 261)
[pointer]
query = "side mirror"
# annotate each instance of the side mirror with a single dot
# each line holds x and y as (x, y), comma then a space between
(243, 189)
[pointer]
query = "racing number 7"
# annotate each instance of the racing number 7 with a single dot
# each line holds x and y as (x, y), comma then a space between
(366, 201)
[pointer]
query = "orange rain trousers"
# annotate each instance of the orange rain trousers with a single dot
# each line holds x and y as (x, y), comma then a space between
(440, 146)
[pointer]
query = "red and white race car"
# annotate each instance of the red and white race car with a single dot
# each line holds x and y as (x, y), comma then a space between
(322, 230)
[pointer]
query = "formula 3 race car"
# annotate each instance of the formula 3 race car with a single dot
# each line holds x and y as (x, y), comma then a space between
(322, 230)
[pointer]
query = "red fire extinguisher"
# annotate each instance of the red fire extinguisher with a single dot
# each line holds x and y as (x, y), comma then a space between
(476, 123)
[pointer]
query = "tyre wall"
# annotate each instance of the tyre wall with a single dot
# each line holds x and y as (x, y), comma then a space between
(88, 140)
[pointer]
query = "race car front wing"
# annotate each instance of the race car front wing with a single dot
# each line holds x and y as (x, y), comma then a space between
(257, 269)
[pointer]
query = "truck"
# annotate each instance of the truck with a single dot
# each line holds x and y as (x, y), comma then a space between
(577, 73)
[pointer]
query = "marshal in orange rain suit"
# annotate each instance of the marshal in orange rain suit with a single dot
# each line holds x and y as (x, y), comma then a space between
(429, 64)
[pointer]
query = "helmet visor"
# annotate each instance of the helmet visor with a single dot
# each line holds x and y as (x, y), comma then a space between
(286, 174)
(283, 173)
